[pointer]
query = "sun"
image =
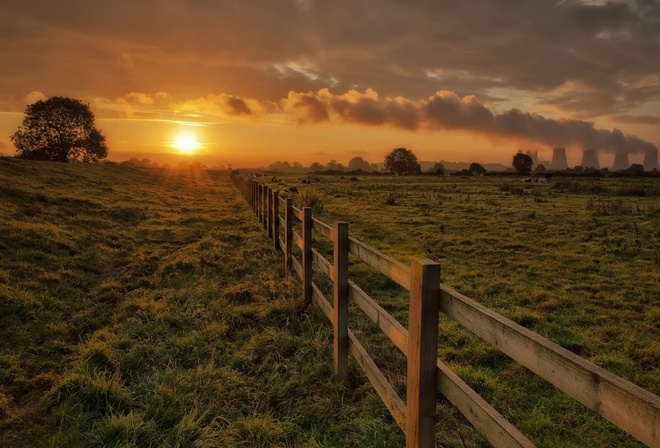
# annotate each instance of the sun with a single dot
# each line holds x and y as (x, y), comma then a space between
(186, 142)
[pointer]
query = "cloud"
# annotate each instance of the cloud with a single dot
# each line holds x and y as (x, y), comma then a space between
(225, 105)
(584, 59)
(637, 119)
(445, 110)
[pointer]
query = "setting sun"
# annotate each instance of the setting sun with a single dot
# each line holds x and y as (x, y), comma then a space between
(186, 142)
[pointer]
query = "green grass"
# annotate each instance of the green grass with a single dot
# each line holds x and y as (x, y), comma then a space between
(575, 260)
(144, 307)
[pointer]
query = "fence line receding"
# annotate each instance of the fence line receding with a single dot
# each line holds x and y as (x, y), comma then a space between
(629, 407)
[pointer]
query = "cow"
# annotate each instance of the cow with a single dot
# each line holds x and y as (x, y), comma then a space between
(291, 190)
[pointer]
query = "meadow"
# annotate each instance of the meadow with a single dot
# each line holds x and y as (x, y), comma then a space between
(145, 307)
(575, 260)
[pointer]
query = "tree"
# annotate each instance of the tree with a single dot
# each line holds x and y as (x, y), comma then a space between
(522, 163)
(476, 169)
(438, 169)
(59, 129)
(316, 166)
(402, 161)
(333, 165)
(358, 163)
(636, 169)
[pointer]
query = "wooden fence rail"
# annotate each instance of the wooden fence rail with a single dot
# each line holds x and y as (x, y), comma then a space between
(626, 405)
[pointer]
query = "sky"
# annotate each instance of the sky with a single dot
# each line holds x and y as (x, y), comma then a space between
(252, 82)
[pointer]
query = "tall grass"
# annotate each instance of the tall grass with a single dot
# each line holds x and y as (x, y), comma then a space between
(145, 308)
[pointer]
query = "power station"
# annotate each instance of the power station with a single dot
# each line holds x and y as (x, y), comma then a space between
(591, 159)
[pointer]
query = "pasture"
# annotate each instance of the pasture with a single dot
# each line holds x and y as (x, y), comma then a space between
(575, 261)
(146, 307)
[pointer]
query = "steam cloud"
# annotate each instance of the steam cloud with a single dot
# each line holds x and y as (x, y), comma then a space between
(447, 111)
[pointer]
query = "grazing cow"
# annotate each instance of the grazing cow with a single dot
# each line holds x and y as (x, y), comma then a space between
(527, 179)
(302, 180)
(291, 190)
(274, 179)
(281, 182)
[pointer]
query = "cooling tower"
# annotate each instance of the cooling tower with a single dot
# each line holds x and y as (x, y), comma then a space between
(620, 161)
(590, 159)
(559, 159)
(651, 160)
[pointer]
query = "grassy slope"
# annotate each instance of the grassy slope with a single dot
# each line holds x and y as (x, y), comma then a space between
(146, 308)
(575, 260)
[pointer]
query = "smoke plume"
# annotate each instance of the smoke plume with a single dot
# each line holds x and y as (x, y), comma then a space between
(447, 111)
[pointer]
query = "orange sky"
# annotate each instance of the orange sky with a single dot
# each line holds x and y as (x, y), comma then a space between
(309, 81)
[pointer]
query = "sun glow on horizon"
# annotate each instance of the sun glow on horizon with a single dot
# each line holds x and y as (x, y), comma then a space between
(186, 142)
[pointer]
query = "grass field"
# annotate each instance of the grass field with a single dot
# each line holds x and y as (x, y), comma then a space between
(144, 307)
(575, 260)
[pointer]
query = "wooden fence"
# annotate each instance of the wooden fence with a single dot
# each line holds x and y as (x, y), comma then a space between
(626, 405)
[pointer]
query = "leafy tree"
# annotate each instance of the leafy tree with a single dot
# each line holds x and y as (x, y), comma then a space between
(438, 168)
(636, 169)
(522, 163)
(358, 163)
(280, 166)
(402, 161)
(477, 168)
(316, 166)
(334, 165)
(59, 129)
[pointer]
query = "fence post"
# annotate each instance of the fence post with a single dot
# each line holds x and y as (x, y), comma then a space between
(251, 197)
(270, 213)
(340, 309)
(307, 255)
(422, 353)
(259, 194)
(264, 206)
(288, 232)
(276, 219)
(255, 196)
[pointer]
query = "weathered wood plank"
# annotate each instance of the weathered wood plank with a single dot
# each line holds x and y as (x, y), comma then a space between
(276, 219)
(323, 264)
(269, 214)
(298, 214)
(392, 329)
(628, 406)
(324, 229)
(388, 266)
(422, 372)
(384, 389)
(297, 267)
(264, 207)
(340, 304)
(288, 233)
(497, 430)
(322, 302)
(297, 239)
(307, 255)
